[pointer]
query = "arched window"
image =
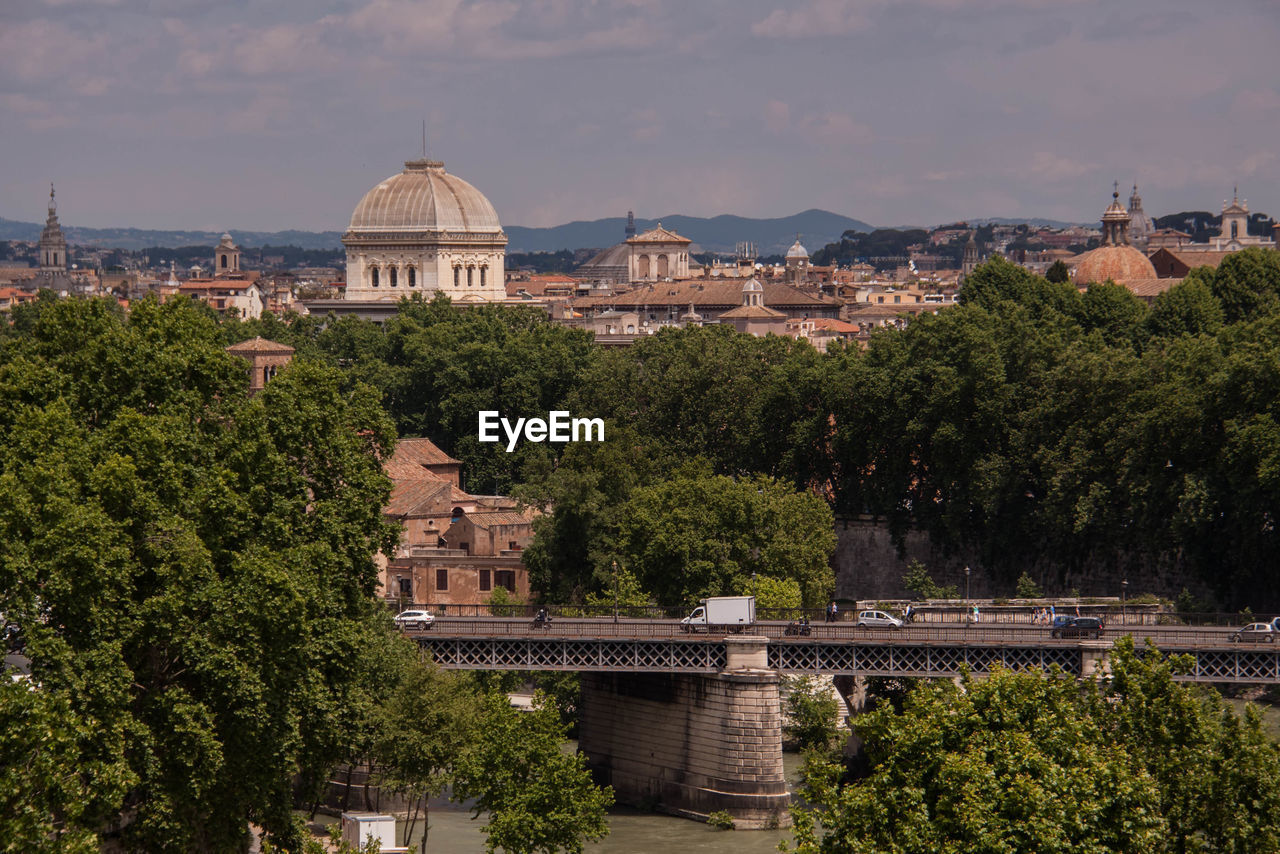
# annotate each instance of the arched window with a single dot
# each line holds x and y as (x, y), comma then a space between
(393, 277)
(457, 276)
(1235, 229)
(224, 262)
(482, 276)
(413, 277)
(470, 272)
(374, 276)
(663, 269)
(642, 271)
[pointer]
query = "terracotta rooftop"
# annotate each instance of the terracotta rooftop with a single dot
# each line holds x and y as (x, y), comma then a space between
(511, 517)
(704, 293)
(1150, 288)
(259, 345)
(424, 496)
(421, 452)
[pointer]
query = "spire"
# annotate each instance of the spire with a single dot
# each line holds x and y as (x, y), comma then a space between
(53, 205)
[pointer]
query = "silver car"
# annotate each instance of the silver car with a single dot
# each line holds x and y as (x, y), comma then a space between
(1254, 633)
(416, 619)
(878, 620)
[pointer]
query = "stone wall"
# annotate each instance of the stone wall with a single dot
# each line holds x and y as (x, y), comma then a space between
(690, 745)
(868, 565)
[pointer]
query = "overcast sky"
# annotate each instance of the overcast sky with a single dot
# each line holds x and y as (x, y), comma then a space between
(267, 114)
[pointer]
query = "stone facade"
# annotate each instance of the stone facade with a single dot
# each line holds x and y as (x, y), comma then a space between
(691, 745)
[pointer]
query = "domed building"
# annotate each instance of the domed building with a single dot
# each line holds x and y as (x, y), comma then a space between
(1115, 260)
(1140, 225)
(424, 231)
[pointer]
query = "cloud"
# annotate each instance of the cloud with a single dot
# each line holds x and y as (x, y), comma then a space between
(777, 116)
(816, 18)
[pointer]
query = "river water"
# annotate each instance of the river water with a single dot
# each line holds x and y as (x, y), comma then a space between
(630, 831)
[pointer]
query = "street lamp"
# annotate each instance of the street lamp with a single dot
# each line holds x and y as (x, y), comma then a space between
(966, 584)
(615, 591)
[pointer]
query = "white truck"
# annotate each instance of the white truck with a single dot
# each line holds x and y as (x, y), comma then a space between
(731, 613)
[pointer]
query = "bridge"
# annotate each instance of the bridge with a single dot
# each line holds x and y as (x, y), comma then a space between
(692, 722)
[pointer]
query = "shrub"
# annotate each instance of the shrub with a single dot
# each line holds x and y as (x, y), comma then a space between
(721, 819)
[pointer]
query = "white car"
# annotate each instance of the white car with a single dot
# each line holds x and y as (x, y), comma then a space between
(878, 620)
(414, 620)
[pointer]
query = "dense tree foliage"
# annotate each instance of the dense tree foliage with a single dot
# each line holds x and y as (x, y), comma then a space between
(1030, 424)
(1024, 762)
(539, 799)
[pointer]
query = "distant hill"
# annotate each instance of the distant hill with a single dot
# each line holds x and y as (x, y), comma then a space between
(142, 238)
(716, 234)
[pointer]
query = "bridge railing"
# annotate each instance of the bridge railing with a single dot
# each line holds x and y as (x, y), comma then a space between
(1177, 637)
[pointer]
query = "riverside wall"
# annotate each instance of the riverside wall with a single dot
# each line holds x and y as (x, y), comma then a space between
(869, 565)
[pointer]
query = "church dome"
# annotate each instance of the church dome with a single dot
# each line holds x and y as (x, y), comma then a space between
(1116, 263)
(424, 197)
(797, 250)
(1115, 259)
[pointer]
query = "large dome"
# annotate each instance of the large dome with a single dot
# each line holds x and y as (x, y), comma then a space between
(1115, 263)
(424, 197)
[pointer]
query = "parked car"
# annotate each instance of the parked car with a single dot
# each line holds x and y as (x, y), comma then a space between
(415, 619)
(1078, 627)
(1254, 633)
(878, 620)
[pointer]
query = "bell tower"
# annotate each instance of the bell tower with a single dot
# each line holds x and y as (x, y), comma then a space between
(53, 246)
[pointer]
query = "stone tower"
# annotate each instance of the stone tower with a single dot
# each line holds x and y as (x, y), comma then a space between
(226, 257)
(53, 246)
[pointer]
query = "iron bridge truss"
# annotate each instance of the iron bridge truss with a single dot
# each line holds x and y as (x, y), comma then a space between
(707, 655)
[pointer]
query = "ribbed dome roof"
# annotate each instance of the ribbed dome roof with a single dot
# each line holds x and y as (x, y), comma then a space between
(797, 250)
(425, 198)
(1117, 263)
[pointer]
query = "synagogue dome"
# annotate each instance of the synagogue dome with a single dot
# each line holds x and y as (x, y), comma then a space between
(424, 197)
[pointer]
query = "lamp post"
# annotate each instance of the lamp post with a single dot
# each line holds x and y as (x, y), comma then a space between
(1124, 590)
(966, 584)
(615, 591)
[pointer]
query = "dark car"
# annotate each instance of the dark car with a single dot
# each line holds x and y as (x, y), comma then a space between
(1079, 627)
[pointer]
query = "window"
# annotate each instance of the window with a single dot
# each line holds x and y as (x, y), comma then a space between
(466, 547)
(485, 584)
(482, 276)
(406, 587)
(879, 299)
(897, 298)
(505, 578)
(513, 545)
(374, 276)
(393, 277)
(413, 277)
(224, 262)
(442, 579)
(457, 276)
(470, 271)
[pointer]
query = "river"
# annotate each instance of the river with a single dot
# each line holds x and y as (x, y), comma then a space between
(630, 831)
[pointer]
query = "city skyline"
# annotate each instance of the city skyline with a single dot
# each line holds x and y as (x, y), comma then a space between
(280, 116)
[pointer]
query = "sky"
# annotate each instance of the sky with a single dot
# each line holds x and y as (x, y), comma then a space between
(279, 114)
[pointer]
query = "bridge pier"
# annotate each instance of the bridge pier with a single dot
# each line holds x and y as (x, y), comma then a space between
(691, 744)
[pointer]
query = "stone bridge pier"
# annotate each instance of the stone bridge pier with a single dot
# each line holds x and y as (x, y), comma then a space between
(691, 744)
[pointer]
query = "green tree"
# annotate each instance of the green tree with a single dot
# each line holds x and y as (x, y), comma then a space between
(1027, 587)
(193, 568)
(1058, 273)
(696, 535)
(812, 711)
(1188, 308)
(1247, 283)
(918, 580)
(539, 799)
(1012, 763)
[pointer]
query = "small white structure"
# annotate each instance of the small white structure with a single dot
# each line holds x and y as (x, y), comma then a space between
(357, 827)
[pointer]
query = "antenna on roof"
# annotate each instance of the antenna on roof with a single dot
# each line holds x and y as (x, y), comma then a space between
(424, 139)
